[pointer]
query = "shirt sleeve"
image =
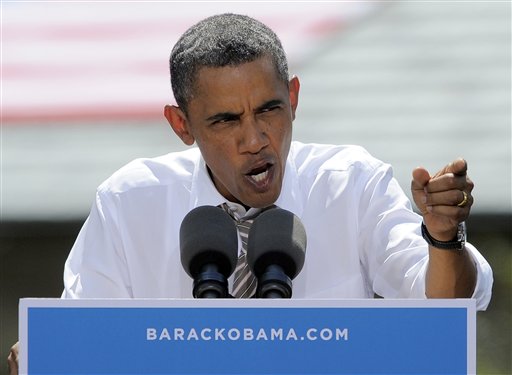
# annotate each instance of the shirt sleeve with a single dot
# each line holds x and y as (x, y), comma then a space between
(394, 252)
(96, 266)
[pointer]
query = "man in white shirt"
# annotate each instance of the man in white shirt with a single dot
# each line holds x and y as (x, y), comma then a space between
(236, 101)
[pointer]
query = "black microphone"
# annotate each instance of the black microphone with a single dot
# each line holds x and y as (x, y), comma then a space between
(209, 249)
(276, 249)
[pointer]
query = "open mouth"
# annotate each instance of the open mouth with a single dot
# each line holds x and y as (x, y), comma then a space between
(260, 174)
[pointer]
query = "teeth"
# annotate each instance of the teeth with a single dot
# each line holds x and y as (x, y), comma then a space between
(260, 177)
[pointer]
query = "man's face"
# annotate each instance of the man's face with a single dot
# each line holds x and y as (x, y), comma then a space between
(241, 118)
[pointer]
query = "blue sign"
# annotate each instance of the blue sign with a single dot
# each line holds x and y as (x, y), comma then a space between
(233, 337)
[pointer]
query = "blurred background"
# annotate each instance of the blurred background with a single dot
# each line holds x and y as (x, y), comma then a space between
(84, 85)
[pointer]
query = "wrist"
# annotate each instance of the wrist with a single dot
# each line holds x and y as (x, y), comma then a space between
(448, 235)
(457, 240)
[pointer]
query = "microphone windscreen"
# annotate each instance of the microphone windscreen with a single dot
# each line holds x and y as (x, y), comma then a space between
(277, 237)
(208, 235)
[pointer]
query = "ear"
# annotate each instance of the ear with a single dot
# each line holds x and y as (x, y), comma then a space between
(294, 87)
(179, 123)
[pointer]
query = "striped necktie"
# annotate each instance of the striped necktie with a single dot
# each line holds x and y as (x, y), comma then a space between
(244, 283)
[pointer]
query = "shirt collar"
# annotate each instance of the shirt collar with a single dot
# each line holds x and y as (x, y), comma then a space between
(239, 213)
(290, 198)
(204, 193)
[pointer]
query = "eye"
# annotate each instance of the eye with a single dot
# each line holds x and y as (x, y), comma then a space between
(270, 109)
(224, 121)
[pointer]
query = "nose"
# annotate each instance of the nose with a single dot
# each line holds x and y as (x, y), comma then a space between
(254, 136)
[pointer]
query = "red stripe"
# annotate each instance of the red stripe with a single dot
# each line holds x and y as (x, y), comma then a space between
(93, 32)
(83, 114)
(111, 31)
(325, 27)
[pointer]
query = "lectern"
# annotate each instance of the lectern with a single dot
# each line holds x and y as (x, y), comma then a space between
(229, 336)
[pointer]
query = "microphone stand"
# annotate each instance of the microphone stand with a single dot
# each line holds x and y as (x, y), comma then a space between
(210, 283)
(274, 283)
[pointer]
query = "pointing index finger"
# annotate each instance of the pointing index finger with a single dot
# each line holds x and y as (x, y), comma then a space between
(458, 167)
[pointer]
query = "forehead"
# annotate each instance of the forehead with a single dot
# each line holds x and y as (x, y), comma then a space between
(259, 76)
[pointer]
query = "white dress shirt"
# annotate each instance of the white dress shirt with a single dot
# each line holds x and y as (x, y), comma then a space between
(363, 237)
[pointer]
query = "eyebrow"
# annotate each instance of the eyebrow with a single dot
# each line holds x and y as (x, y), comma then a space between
(233, 116)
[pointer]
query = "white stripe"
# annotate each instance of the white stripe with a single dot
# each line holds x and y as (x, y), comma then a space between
(242, 272)
(250, 289)
(242, 284)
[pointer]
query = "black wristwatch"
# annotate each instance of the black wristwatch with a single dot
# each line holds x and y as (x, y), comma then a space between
(457, 243)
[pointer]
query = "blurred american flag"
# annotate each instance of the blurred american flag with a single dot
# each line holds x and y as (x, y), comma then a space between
(74, 60)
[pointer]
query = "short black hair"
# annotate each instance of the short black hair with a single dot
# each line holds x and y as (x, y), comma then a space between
(221, 40)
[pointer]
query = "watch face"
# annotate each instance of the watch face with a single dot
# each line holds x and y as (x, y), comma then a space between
(461, 235)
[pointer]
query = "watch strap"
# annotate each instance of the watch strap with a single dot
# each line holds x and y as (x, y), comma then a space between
(458, 242)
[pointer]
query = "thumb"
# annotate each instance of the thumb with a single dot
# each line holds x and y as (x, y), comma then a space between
(420, 178)
(12, 360)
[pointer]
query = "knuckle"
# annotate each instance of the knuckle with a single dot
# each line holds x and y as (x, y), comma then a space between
(470, 185)
(455, 197)
(452, 183)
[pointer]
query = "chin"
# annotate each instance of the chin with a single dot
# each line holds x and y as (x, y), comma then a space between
(263, 201)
